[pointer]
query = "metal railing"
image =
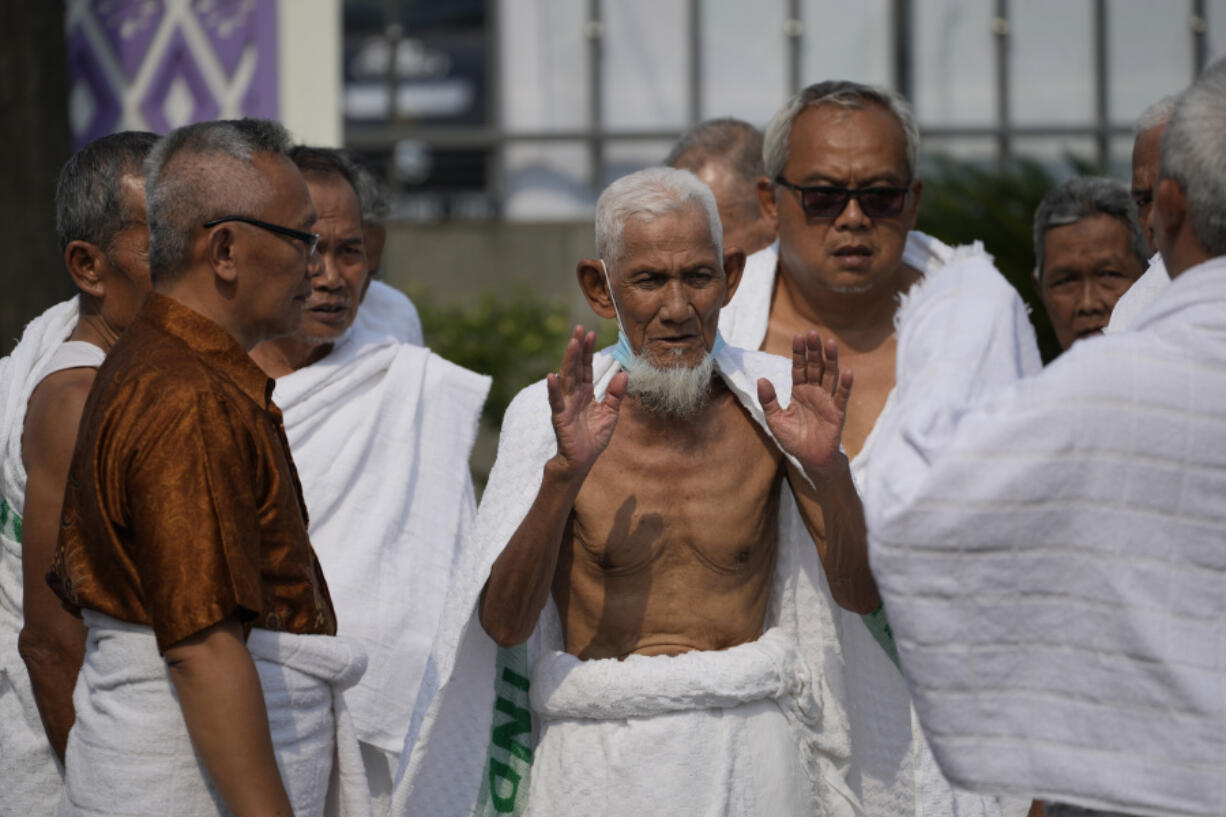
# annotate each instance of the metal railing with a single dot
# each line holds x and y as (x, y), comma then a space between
(1004, 131)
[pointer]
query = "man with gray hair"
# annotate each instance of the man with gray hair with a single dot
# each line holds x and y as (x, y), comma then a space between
(842, 159)
(212, 675)
(1064, 535)
(1146, 152)
(100, 216)
(1088, 251)
(726, 154)
(381, 430)
(645, 607)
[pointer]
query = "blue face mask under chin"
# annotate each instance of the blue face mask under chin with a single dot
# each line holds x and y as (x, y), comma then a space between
(622, 351)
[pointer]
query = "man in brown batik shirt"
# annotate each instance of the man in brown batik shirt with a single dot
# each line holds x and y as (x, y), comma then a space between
(183, 512)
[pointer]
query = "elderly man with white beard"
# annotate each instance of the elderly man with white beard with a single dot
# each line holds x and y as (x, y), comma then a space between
(647, 606)
(381, 429)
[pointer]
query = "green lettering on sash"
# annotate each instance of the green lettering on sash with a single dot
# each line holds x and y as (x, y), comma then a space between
(514, 679)
(521, 722)
(500, 770)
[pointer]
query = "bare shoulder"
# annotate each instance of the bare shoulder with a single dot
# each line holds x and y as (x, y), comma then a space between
(54, 412)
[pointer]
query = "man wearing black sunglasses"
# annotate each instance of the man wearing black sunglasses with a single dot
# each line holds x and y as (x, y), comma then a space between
(844, 190)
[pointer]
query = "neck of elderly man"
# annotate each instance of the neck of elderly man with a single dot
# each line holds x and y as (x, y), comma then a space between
(665, 541)
(842, 276)
(340, 276)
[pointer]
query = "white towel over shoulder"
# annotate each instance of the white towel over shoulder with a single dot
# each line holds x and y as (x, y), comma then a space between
(130, 754)
(29, 772)
(1053, 555)
(381, 432)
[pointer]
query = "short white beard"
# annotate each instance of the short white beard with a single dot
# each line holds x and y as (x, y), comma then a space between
(678, 391)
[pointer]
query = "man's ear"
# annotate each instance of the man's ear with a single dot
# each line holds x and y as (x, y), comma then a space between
(766, 200)
(221, 252)
(771, 215)
(734, 265)
(595, 288)
(1169, 213)
(86, 264)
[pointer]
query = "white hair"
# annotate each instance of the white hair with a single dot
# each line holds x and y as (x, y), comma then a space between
(1194, 155)
(1156, 115)
(649, 194)
(676, 391)
(852, 95)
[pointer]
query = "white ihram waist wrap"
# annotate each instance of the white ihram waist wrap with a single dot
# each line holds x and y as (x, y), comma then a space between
(129, 752)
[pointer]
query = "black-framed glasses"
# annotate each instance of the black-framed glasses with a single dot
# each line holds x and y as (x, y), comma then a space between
(311, 240)
(827, 201)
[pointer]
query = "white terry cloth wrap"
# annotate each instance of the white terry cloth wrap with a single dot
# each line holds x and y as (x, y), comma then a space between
(1140, 295)
(30, 776)
(708, 732)
(454, 768)
(1053, 556)
(387, 311)
(380, 432)
(129, 752)
(893, 770)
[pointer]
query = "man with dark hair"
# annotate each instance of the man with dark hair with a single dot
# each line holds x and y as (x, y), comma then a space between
(1053, 552)
(1088, 251)
(100, 216)
(726, 154)
(211, 676)
(842, 159)
(381, 430)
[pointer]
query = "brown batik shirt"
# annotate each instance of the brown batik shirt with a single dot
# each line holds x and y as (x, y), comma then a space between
(183, 506)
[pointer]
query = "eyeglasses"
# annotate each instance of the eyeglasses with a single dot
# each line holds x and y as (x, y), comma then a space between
(311, 240)
(828, 201)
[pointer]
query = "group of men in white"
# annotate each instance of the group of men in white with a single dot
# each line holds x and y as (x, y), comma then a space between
(819, 535)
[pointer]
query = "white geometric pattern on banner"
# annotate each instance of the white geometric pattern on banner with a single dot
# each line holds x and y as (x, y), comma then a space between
(129, 42)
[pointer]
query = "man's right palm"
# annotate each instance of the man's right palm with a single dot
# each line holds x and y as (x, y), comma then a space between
(583, 427)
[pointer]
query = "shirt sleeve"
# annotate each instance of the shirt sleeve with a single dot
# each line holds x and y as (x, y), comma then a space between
(192, 500)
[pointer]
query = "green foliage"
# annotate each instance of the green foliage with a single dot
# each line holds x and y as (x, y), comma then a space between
(964, 202)
(517, 339)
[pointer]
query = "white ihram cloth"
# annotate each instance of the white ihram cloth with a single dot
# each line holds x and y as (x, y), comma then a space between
(893, 770)
(1053, 555)
(389, 311)
(30, 776)
(381, 431)
(129, 752)
(669, 725)
(1139, 295)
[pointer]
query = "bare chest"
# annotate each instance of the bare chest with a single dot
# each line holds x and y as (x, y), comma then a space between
(708, 499)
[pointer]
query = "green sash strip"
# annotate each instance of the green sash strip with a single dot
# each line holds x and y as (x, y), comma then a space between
(879, 625)
(504, 786)
(10, 521)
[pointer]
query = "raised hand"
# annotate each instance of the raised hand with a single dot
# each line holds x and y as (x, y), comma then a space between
(811, 427)
(583, 426)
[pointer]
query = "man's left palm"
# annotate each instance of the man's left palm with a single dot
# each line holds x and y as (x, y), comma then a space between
(811, 427)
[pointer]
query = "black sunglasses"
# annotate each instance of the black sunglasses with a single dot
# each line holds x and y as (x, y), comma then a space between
(827, 201)
(310, 239)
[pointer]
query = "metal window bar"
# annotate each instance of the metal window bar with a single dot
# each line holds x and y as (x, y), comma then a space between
(1004, 132)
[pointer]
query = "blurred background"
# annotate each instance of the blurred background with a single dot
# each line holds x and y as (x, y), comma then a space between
(497, 122)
